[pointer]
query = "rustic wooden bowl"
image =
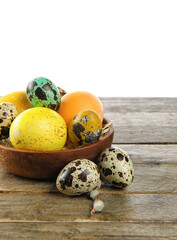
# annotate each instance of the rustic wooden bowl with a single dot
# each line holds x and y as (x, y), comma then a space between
(47, 165)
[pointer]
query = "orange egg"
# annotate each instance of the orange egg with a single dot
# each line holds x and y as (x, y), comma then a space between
(74, 102)
(18, 99)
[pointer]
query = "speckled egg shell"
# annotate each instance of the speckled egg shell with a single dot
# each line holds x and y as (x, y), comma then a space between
(41, 92)
(116, 167)
(38, 129)
(78, 177)
(85, 128)
(8, 113)
(6, 142)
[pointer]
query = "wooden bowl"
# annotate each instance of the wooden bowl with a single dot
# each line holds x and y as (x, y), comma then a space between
(47, 165)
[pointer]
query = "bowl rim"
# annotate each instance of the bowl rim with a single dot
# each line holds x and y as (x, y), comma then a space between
(64, 150)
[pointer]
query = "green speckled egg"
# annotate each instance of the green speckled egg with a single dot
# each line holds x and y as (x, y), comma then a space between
(85, 128)
(41, 92)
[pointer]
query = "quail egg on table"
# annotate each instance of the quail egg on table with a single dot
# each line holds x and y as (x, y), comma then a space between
(116, 167)
(41, 92)
(8, 113)
(85, 128)
(78, 177)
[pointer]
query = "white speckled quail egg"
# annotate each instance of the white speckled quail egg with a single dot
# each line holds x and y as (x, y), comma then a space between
(6, 142)
(8, 113)
(116, 167)
(78, 177)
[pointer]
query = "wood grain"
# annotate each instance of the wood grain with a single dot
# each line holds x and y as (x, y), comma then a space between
(142, 120)
(149, 178)
(89, 230)
(135, 104)
(151, 154)
(118, 208)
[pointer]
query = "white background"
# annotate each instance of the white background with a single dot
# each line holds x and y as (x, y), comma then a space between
(110, 48)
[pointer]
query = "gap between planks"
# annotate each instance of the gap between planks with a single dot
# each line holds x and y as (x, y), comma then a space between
(102, 192)
(145, 143)
(89, 220)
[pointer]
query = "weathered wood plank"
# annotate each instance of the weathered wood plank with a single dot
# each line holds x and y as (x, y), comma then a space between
(135, 104)
(10, 182)
(118, 208)
(151, 154)
(155, 172)
(149, 178)
(144, 127)
(88, 230)
(142, 120)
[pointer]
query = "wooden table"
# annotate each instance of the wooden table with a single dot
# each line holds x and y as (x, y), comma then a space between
(144, 127)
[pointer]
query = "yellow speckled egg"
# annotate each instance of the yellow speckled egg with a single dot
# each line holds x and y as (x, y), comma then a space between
(85, 128)
(18, 99)
(40, 129)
